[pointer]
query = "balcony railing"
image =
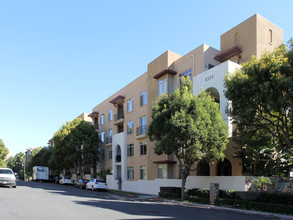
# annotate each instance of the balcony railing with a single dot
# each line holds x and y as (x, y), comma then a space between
(109, 140)
(119, 116)
(141, 130)
(96, 126)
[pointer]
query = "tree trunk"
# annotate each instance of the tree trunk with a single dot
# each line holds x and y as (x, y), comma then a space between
(184, 176)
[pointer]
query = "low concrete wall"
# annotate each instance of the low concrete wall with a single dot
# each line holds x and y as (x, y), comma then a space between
(152, 187)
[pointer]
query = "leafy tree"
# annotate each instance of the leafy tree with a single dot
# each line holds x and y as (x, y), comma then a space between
(39, 157)
(76, 144)
(261, 95)
(15, 163)
(190, 127)
(3, 153)
(258, 152)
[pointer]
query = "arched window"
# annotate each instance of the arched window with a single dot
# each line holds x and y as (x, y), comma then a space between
(118, 153)
(203, 168)
(214, 93)
(224, 168)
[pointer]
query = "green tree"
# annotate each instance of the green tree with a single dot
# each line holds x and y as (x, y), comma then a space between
(3, 153)
(39, 157)
(76, 144)
(261, 95)
(15, 163)
(190, 127)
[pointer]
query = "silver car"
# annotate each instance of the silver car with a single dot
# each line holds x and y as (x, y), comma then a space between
(7, 177)
(98, 184)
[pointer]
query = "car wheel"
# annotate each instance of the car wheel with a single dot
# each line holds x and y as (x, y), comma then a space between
(93, 188)
(14, 186)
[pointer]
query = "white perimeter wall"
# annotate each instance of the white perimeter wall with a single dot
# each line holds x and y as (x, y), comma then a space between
(152, 187)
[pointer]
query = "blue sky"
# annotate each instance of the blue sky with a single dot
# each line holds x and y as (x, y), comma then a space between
(59, 59)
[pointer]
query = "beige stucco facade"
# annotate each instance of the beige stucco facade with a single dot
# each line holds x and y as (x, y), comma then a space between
(124, 152)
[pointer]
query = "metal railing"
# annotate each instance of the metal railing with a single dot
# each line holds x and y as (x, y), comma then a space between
(96, 126)
(141, 130)
(109, 140)
(118, 116)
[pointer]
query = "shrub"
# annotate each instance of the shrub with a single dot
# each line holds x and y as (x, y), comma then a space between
(175, 191)
(203, 193)
(168, 195)
(197, 199)
(229, 194)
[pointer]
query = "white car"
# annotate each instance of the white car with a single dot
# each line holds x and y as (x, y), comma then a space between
(7, 177)
(65, 180)
(97, 184)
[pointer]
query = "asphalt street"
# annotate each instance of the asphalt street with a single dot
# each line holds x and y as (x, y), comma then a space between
(38, 201)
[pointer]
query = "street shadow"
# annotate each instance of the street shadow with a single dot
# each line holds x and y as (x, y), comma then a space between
(153, 210)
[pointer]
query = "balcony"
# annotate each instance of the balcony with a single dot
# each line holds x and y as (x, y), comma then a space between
(108, 141)
(96, 126)
(118, 118)
(141, 131)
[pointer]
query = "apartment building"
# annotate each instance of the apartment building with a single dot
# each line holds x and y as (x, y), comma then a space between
(123, 118)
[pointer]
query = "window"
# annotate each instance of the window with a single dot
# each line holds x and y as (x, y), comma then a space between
(162, 86)
(271, 36)
(143, 98)
(130, 150)
(130, 173)
(110, 115)
(143, 172)
(102, 119)
(130, 127)
(142, 125)
(210, 66)
(143, 148)
(130, 105)
(109, 138)
(102, 136)
(185, 73)
(110, 153)
(162, 171)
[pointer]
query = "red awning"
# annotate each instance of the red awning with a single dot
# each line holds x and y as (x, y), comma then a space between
(227, 54)
(94, 115)
(117, 99)
(164, 72)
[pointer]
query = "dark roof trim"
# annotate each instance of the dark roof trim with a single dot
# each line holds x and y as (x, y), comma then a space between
(94, 115)
(164, 72)
(165, 162)
(117, 99)
(227, 54)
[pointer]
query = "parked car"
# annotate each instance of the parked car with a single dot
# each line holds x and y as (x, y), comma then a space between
(7, 177)
(81, 183)
(97, 184)
(65, 180)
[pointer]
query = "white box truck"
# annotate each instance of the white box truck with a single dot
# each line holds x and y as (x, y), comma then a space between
(40, 173)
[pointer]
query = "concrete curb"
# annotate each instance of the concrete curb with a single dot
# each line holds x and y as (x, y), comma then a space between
(267, 214)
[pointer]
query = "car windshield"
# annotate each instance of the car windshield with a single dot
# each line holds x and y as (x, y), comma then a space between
(101, 181)
(6, 172)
